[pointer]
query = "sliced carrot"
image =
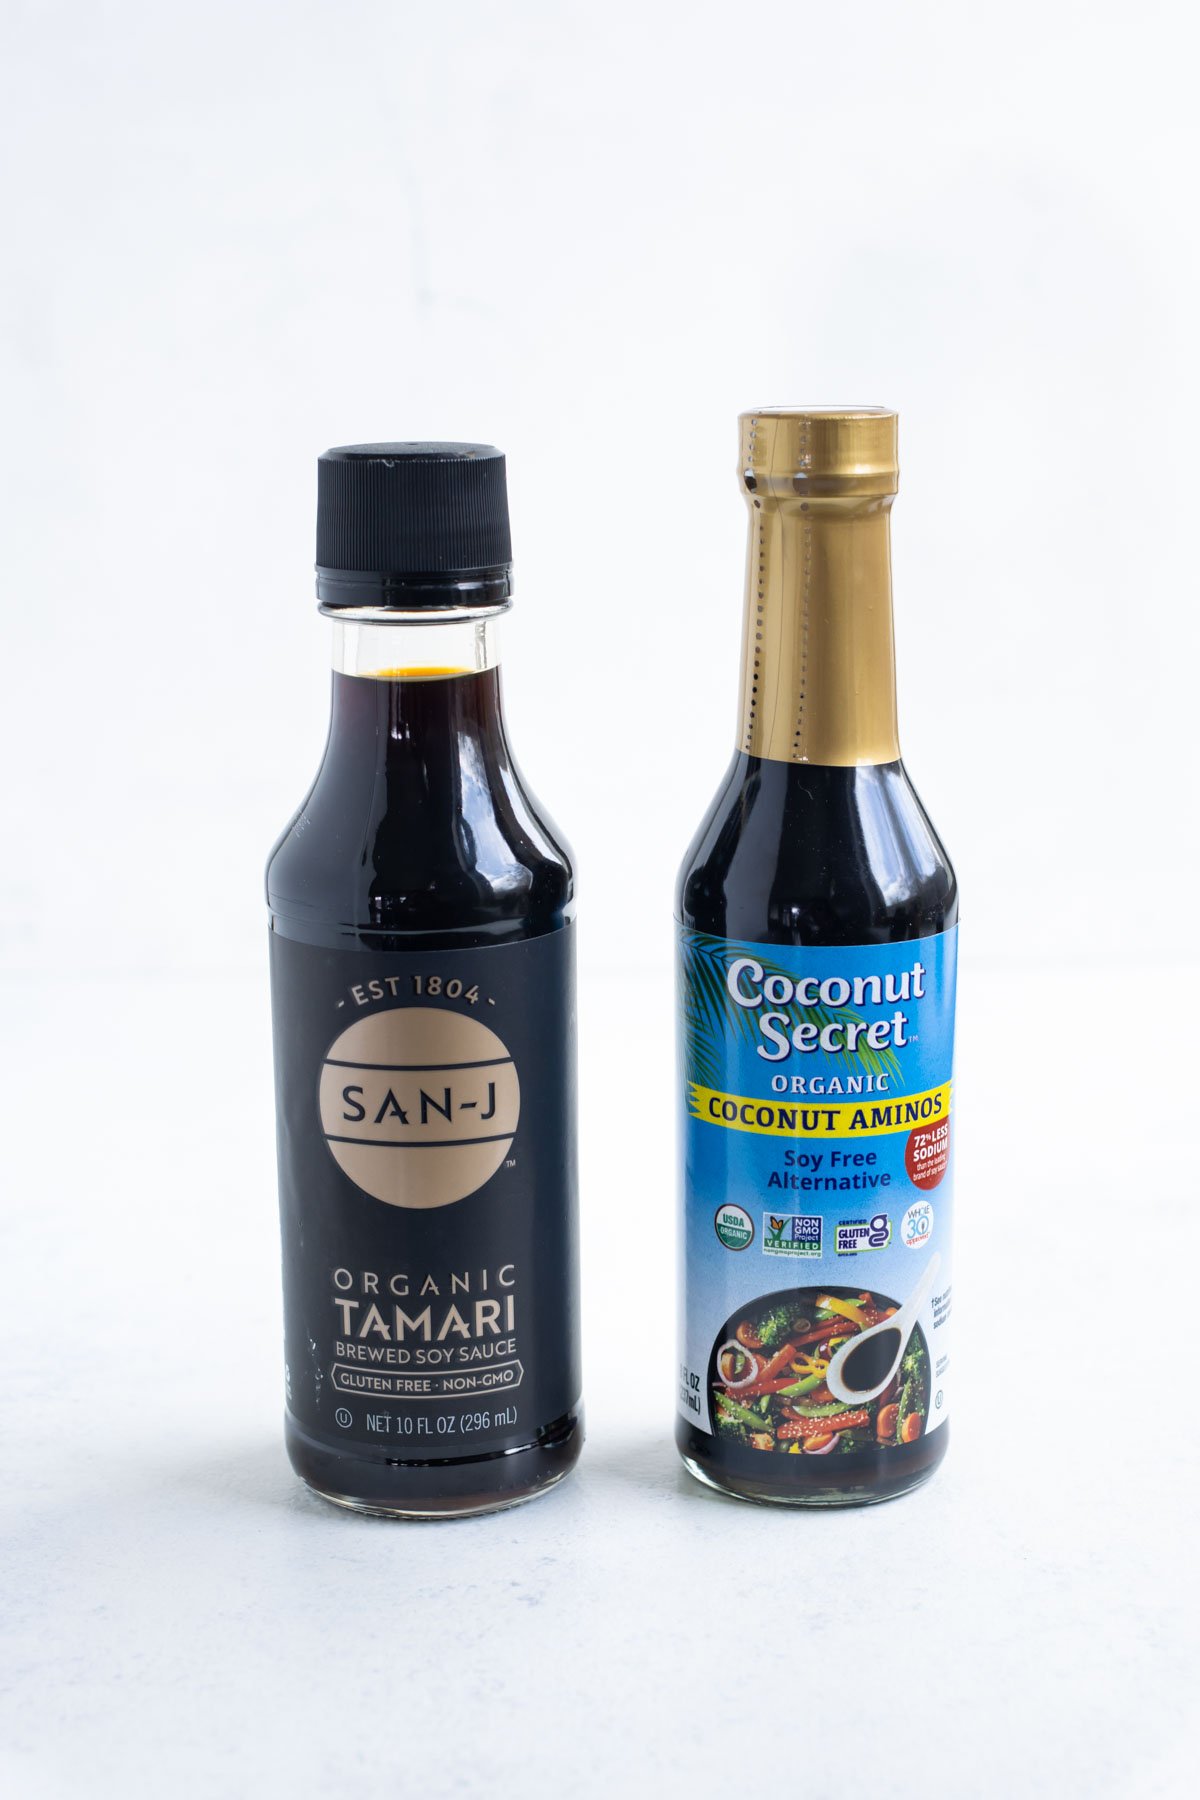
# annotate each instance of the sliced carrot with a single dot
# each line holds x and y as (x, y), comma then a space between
(808, 1429)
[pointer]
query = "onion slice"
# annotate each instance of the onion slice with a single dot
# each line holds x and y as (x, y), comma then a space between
(740, 1350)
(825, 1448)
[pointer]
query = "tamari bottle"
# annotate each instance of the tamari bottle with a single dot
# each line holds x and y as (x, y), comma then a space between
(817, 919)
(422, 965)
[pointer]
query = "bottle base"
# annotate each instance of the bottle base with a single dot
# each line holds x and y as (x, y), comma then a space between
(868, 1485)
(461, 1488)
(429, 1514)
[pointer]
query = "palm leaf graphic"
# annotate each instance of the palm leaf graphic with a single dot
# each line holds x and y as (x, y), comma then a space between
(707, 1010)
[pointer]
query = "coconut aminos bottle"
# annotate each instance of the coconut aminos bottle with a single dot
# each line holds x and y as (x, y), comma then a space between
(422, 966)
(817, 916)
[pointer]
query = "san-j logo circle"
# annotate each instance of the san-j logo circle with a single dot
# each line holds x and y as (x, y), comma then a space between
(734, 1226)
(419, 1105)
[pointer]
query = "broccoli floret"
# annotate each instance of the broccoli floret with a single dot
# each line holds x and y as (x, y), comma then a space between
(775, 1326)
(727, 1424)
(911, 1397)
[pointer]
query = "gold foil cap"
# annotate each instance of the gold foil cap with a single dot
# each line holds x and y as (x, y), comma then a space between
(818, 674)
(814, 451)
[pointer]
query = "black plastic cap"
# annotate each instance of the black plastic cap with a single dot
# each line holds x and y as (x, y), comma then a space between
(413, 525)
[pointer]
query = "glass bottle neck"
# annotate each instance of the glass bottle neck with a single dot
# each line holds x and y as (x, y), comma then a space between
(417, 696)
(818, 665)
(394, 646)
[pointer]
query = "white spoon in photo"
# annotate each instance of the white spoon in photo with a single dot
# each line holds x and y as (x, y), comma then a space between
(862, 1368)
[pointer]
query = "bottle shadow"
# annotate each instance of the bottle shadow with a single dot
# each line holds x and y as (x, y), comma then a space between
(642, 1466)
(646, 1464)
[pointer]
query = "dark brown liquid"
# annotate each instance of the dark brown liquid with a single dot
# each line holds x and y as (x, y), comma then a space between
(419, 834)
(867, 1364)
(800, 854)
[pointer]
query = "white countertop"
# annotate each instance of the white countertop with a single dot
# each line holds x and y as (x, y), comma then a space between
(182, 1617)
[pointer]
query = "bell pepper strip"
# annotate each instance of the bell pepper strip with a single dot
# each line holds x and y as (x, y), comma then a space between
(804, 1386)
(776, 1373)
(810, 1428)
(845, 1309)
(775, 1366)
(782, 1384)
(815, 1335)
(758, 1388)
(819, 1409)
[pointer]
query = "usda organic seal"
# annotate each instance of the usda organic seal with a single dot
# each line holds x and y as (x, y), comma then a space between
(735, 1227)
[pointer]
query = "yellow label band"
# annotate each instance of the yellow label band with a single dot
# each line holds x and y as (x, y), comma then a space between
(780, 1118)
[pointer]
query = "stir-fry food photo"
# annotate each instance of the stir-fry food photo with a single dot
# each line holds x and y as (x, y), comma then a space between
(768, 1376)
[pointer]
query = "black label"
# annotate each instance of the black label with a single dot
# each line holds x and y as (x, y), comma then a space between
(427, 1187)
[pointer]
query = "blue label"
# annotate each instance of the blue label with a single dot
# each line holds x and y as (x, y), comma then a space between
(817, 1174)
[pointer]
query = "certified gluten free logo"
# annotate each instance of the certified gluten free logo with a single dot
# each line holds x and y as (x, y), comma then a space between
(419, 1105)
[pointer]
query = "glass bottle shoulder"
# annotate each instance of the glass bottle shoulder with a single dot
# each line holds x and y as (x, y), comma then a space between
(804, 854)
(419, 830)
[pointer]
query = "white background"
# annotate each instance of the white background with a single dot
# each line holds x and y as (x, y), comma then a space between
(235, 234)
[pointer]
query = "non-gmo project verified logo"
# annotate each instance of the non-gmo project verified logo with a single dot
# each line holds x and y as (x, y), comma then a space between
(853, 1235)
(791, 1234)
